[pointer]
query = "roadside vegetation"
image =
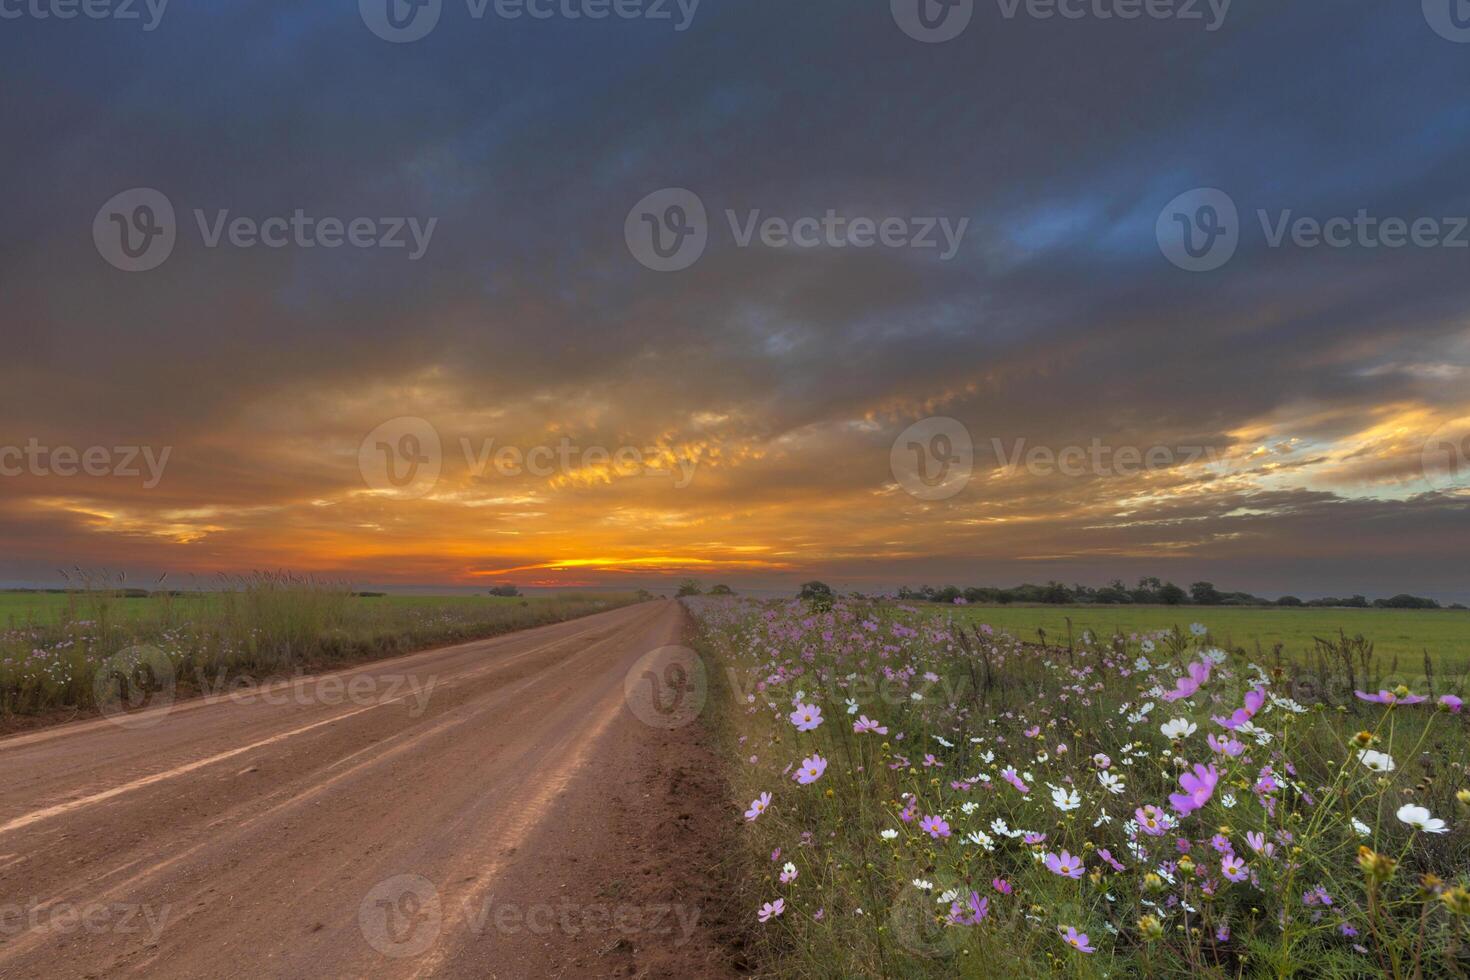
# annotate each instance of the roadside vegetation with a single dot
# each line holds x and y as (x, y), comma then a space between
(258, 627)
(926, 795)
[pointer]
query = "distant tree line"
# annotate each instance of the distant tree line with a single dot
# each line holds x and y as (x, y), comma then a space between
(1149, 590)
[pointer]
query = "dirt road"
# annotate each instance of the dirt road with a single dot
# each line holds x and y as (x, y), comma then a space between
(494, 809)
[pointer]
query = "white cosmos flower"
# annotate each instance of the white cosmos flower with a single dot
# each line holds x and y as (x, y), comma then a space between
(1142, 664)
(1065, 800)
(1110, 782)
(981, 839)
(969, 808)
(1227, 800)
(947, 896)
(1197, 629)
(1251, 730)
(943, 742)
(852, 706)
(889, 834)
(923, 886)
(1419, 818)
(916, 696)
(1363, 829)
(1375, 760)
(1178, 728)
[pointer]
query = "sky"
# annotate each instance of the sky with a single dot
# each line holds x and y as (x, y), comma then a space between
(751, 291)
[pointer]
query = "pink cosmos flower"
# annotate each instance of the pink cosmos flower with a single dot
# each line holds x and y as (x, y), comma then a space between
(1198, 786)
(1033, 731)
(1390, 698)
(866, 724)
(1258, 843)
(788, 874)
(1233, 868)
(1009, 775)
(758, 806)
(1077, 940)
(1225, 746)
(1107, 856)
(969, 914)
(1452, 703)
(935, 827)
(811, 770)
(1064, 864)
(806, 717)
(1001, 885)
(1152, 820)
(771, 910)
(1186, 686)
(1254, 698)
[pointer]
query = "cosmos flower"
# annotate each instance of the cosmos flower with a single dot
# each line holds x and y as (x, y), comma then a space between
(1375, 760)
(1224, 746)
(811, 769)
(758, 806)
(788, 873)
(1065, 799)
(888, 834)
(1254, 698)
(1178, 728)
(1009, 775)
(971, 913)
(1198, 786)
(1152, 820)
(935, 827)
(1113, 784)
(1390, 698)
(1233, 868)
(1077, 940)
(1451, 703)
(806, 717)
(1418, 818)
(866, 724)
(1190, 683)
(771, 910)
(1258, 843)
(1063, 864)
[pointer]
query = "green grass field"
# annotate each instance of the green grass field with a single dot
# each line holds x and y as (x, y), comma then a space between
(1402, 633)
(21, 608)
(52, 645)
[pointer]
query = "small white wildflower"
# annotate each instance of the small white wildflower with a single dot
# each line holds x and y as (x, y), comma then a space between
(1178, 728)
